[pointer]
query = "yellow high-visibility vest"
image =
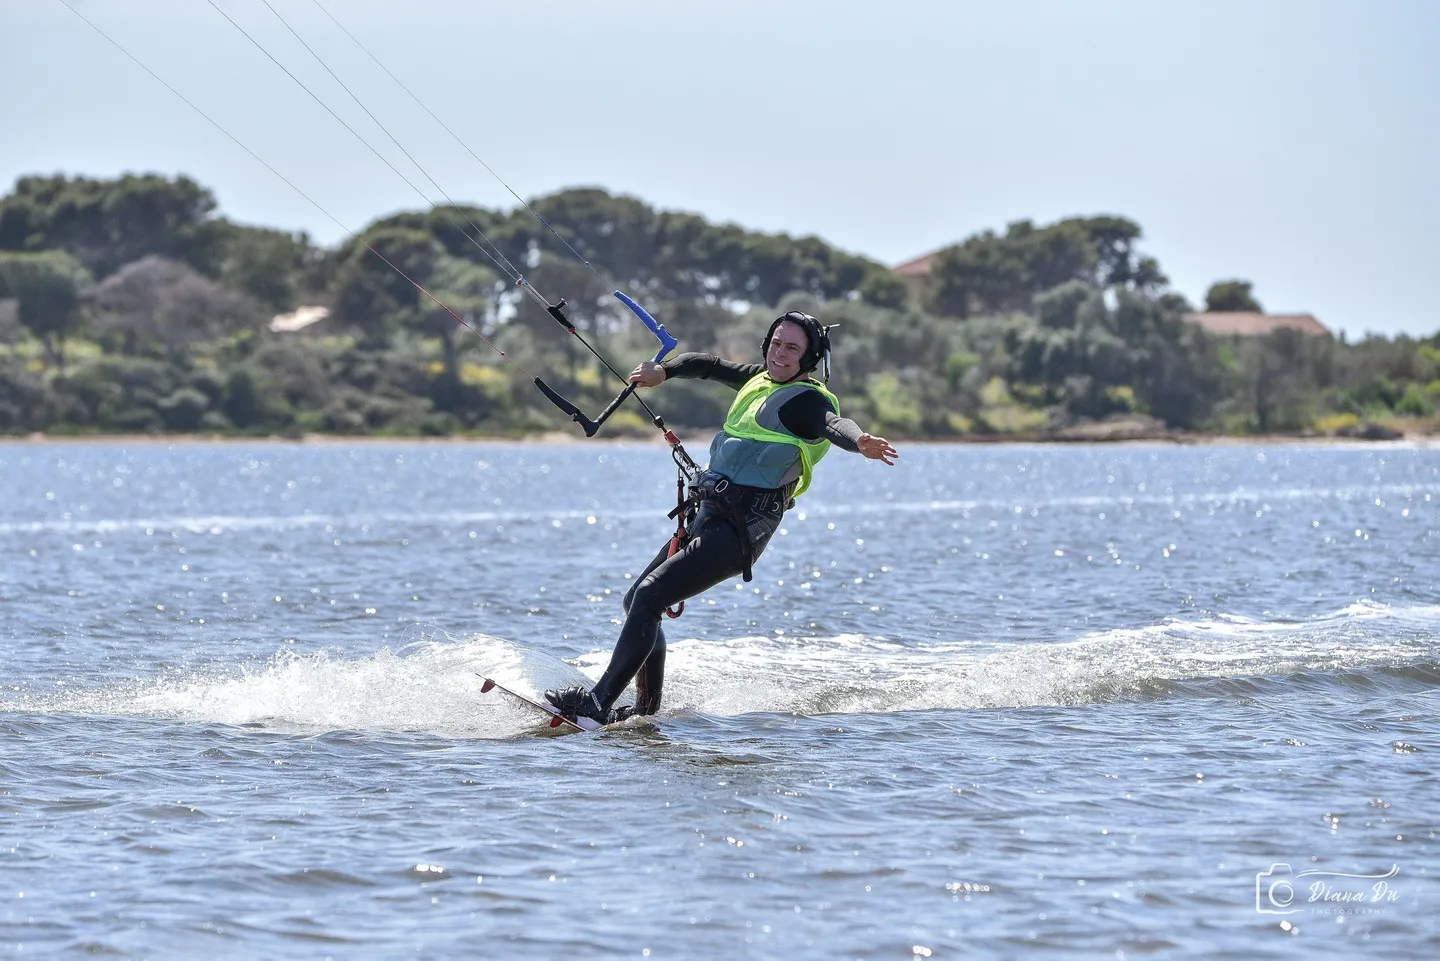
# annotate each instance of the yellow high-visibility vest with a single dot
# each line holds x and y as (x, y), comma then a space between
(743, 421)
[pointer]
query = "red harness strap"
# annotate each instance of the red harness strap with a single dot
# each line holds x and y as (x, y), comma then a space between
(683, 514)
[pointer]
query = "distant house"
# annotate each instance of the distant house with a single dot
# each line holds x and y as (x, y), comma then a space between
(298, 319)
(918, 269)
(1244, 323)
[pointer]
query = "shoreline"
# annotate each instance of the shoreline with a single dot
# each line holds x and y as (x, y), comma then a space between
(566, 438)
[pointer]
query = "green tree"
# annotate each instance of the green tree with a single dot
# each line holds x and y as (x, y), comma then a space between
(982, 275)
(1280, 377)
(1177, 373)
(1232, 295)
(272, 267)
(123, 393)
(656, 255)
(989, 273)
(472, 292)
(1414, 402)
(881, 288)
(27, 401)
(1096, 360)
(375, 285)
(1073, 350)
(106, 224)
(48, 288)
(671, 255)
(1059, 308)
(241, 400)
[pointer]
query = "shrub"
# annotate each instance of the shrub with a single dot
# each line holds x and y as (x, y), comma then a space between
(117, 392)
(184, 409)
(26, 400)
(958, 364)
(1335, 423)
(1414, 402)
(895, 406)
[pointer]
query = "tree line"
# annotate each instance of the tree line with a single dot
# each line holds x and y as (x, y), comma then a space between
(131, 305)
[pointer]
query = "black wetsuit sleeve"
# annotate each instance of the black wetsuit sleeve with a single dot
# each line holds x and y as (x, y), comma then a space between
(709, 367)
(809, 415)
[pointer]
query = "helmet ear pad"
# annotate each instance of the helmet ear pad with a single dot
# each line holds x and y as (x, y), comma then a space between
(814, 335)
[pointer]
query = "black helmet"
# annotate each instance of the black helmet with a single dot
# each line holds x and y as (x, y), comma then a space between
(816, 333)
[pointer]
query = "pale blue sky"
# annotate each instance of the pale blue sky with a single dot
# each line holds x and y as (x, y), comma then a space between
(1295, 143)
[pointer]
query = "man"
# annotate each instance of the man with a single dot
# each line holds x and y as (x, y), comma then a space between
(782, 422)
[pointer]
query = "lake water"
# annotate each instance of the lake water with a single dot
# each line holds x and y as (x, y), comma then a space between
(997, 701)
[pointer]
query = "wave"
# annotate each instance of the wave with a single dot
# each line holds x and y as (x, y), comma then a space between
(852, 673)
(432, 686)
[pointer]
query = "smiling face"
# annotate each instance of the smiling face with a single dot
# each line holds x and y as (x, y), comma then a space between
(787, 346)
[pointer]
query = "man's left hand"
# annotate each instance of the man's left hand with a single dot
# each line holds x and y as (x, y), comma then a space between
(877, 448)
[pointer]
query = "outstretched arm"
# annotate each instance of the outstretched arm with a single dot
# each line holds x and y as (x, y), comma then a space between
(809, 415)
(877, 448)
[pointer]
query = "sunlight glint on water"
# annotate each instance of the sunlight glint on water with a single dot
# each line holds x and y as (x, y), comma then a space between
(1006, 700)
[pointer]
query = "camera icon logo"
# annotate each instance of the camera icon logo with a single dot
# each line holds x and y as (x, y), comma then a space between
(1274, 890)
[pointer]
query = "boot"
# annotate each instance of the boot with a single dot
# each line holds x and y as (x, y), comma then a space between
(576, 702)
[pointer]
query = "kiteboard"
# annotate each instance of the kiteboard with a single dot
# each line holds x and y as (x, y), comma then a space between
(568, 726)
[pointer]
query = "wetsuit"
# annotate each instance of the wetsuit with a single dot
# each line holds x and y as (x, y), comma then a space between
(735, 520)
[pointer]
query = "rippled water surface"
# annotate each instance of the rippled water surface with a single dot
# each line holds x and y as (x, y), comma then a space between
(996, 701)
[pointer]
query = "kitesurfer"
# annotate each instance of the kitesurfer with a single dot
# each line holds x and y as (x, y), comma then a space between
(781, 424)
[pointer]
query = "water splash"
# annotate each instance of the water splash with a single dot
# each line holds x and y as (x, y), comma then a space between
(432, 686)
(428, 687)
(851, 673)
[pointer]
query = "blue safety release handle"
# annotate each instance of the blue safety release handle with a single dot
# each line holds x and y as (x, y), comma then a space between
(667, 342)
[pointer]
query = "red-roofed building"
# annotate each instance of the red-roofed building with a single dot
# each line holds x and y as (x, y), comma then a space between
(920, 267)
(1244, 323)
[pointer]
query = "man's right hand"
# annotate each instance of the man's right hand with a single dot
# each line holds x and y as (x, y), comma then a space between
(647, 373)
